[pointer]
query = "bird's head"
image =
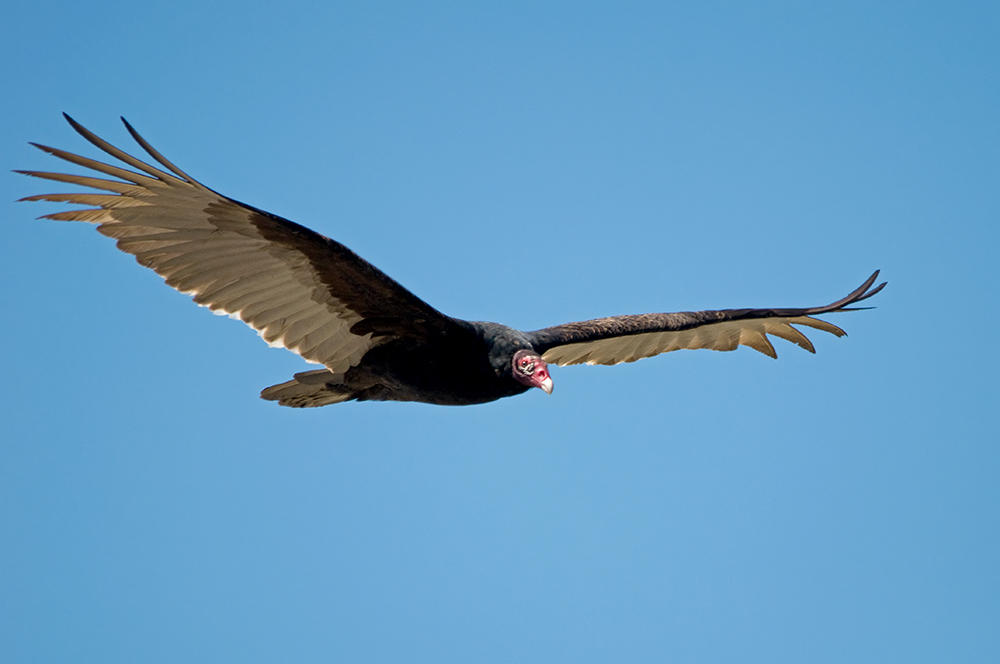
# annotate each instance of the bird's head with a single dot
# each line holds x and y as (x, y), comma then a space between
(531, 370)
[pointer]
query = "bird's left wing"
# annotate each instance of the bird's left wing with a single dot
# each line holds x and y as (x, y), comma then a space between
(298, 289)
(630, 338)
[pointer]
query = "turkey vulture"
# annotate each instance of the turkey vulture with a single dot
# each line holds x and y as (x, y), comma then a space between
(375, 339)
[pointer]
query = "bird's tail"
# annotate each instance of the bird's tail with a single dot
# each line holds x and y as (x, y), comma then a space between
(310, 389)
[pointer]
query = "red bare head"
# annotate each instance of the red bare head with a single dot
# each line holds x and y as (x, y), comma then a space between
(531, 370)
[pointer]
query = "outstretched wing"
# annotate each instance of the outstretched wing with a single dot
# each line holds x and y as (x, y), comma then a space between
(630, 338)
(298, 289)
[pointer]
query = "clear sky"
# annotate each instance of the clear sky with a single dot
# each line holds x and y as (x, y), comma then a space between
(532, 164)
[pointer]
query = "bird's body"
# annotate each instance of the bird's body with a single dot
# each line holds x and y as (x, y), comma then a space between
(376, 340)
(401, 370)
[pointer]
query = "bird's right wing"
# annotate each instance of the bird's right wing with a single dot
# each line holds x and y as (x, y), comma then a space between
(630, 338)
(298, 289)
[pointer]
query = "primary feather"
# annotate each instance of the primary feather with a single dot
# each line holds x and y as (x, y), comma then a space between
(305, 292)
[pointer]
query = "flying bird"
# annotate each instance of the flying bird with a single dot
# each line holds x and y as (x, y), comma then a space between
(374, 338)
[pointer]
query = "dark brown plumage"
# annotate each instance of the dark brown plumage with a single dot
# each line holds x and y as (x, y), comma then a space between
(376, 340)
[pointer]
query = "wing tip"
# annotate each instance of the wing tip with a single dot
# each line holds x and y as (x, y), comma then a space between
(864, 291)
(73, 123)
(128, 126)
(44, 148)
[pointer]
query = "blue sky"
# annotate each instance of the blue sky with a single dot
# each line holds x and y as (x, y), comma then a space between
(532, 164)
